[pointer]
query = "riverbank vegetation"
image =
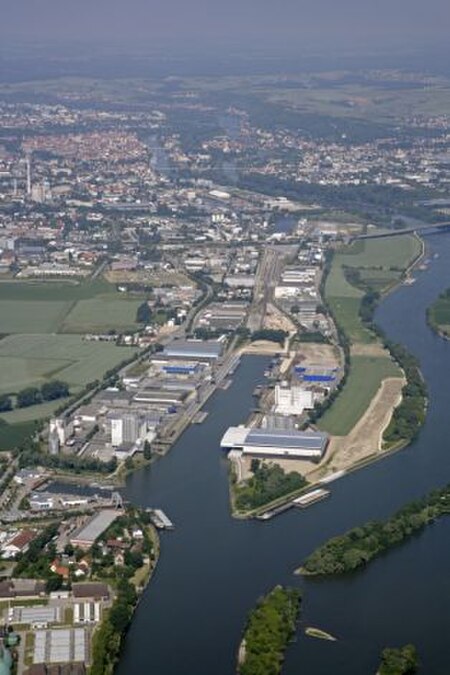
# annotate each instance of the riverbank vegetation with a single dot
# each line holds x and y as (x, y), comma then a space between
(438, 314)
(357, 547)
(128, 581)
(353, 281)
(268, 483)
(401, 661)
(269, 628)
(409, 416)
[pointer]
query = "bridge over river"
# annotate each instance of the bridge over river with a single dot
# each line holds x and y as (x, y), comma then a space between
(420, 228)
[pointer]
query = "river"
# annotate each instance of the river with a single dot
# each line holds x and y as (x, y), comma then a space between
(213, 568)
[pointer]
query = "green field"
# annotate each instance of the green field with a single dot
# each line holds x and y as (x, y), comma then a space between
(390, 252)
(346, 313)
(13, 434)
(380, 263)
(27, 360)
(32, 316)
(48, 307)
(101, 314)
(34, 412)
(364, 380)
(337, 285)
(37, 317)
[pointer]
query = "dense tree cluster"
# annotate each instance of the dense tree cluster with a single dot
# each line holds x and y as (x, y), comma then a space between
(31, 456)
(269, 334)
(108, 637)
(144, 313)
(5, 403)
(269, 482)
(36, 561)
(360, 545)
(401, 661)
(49, 391)
(269, 628)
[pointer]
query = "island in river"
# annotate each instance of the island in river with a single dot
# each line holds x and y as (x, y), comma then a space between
(359, 546)
(438, 315)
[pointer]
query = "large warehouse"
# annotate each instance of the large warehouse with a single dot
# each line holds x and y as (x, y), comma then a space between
(194, 349)
(96, 525)
(282, 443)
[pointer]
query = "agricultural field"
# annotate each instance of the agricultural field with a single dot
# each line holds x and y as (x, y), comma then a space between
(32, 413)
(391, 252)
(380, 264)
(101, 314)
(337, 285)
(30, 360)
(49, 307)
(346, 313)
(12, 435)
(364, 380)
(32, 316)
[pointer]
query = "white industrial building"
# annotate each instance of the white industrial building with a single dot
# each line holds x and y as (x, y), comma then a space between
(292, 400)
(127, 428)
(278, 443)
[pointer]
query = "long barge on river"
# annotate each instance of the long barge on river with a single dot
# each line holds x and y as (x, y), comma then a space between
(301, 502)
(311, 498)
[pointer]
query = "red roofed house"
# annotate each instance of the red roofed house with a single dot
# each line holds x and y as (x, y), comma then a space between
(19, 543)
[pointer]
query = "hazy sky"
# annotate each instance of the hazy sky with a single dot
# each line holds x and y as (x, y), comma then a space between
(337, 21)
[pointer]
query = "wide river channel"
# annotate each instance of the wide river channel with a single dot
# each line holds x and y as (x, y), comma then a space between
(213, 568)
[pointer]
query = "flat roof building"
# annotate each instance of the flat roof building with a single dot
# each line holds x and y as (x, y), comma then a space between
(94, 528)
(281, 443)
(194, 349)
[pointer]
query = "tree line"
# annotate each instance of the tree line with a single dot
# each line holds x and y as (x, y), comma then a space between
(49, 391)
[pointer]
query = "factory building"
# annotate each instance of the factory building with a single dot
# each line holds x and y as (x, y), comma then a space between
(292, 400)
(209, 350)
(277, 443)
